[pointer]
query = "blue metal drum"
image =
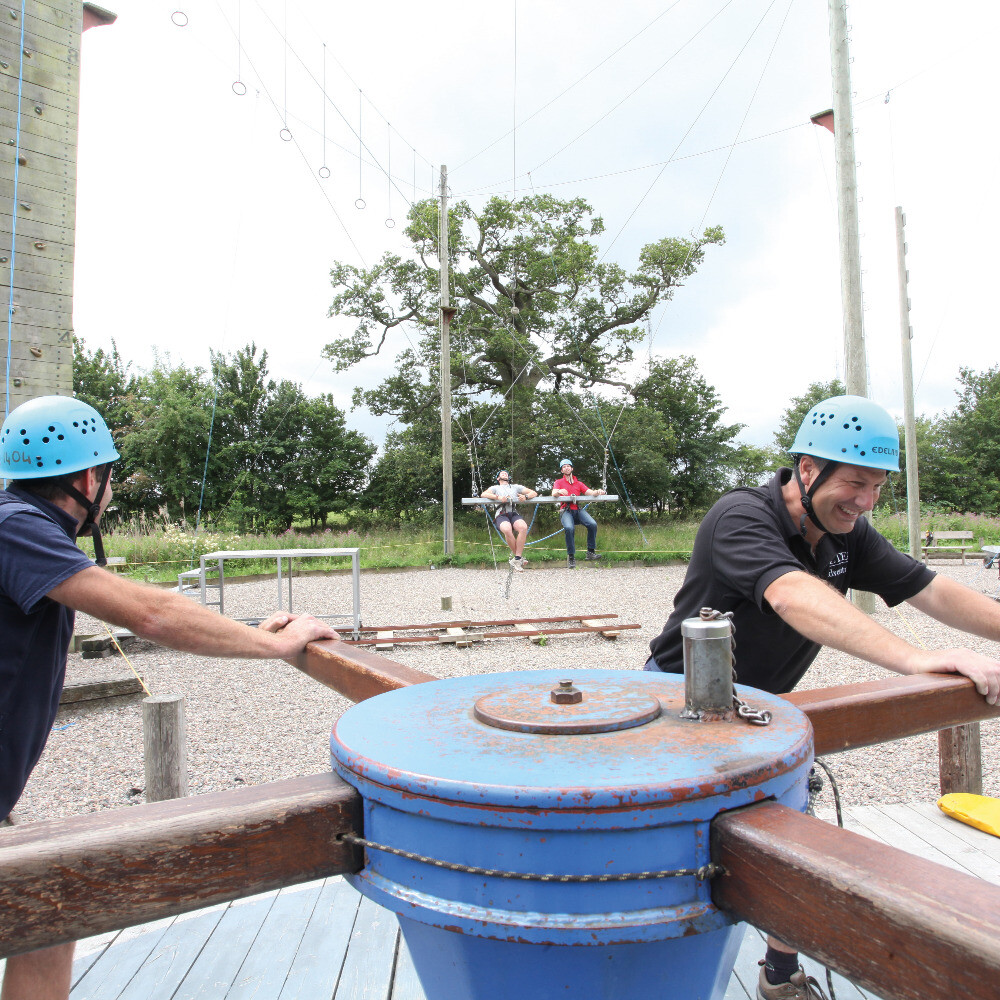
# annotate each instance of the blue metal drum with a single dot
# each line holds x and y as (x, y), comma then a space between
(484, 780)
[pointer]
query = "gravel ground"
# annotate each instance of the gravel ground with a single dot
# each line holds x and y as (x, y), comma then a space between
(252, 721)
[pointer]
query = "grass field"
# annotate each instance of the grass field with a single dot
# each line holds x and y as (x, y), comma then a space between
(157, 553)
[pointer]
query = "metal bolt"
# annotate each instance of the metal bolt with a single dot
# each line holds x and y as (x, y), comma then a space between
(17, 383)
(4, 65)
(3, 260)
(38, 109)
(566, 694)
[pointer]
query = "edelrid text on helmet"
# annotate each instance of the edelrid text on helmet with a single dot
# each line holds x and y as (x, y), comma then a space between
(53, 436)
(850, 429)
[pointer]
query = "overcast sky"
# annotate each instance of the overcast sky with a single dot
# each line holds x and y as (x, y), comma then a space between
(199, 226)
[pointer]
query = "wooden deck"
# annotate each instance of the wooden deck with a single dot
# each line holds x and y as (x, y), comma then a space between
(322, 941)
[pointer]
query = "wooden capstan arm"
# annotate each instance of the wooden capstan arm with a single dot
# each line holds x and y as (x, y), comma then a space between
(65, 879)
(896, 924)
(356, 673)
(861, 715)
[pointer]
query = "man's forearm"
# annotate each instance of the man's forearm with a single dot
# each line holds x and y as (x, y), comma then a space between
(820, 613)
(167, 618)
(960, 607)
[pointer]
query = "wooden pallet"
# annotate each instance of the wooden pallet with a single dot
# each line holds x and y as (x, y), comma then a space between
(465, 632)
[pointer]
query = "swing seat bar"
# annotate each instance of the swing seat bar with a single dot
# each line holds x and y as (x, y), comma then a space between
(482, 501)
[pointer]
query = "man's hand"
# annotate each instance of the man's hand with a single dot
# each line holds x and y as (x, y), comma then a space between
(817, 611)
(983, 671)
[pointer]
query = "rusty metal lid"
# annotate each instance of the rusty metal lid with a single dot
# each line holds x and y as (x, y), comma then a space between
(497, 740)
(566, 709)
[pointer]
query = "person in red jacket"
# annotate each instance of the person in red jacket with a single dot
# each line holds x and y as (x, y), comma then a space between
(571, 515)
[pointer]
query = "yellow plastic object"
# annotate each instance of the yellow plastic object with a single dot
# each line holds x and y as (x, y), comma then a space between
(979, 811)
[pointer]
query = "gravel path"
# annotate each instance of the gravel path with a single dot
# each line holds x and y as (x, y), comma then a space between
(254, 721)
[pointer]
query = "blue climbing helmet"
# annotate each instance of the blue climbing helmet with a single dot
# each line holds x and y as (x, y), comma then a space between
(57, 436)
(564, 461)
(843, 430)
(53, 436)
(850, 429)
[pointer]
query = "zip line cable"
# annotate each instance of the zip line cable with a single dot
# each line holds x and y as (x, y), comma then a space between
(298, 147)
(689, 130)
(356, 133)
(13, 224)
(225, 331)
(746, 114)
(634, 90)
(575, 83)
(351, 79)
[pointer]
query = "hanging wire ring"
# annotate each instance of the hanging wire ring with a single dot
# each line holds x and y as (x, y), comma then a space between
(179, 18)
(390, 223)
(285, 135)
(359, 204)
(324, 172)
(239, 88)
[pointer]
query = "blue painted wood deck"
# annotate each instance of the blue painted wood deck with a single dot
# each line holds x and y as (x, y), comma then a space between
(322, 941)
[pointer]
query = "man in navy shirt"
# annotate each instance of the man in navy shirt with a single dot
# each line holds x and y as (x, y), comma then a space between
(58, 453)
(782, 556)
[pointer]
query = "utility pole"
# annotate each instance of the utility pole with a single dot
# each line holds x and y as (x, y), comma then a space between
(855, 365)
(910, 429)
(446, 313)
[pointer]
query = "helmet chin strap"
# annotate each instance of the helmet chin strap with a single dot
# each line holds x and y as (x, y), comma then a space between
(93, 508)
(806, 495)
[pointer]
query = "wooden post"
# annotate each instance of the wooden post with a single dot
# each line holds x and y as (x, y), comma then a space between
(446, 313)
(164, 740)
(910, 429)
(960, 759)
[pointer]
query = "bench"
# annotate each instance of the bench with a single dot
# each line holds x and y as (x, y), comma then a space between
(960, 542)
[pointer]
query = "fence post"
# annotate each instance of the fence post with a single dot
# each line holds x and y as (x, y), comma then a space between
(164, 739)
(960, 759)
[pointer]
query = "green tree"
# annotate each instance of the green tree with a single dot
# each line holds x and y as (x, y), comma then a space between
(700, 450)
(163, 447)
(793, 416)
(535, 304)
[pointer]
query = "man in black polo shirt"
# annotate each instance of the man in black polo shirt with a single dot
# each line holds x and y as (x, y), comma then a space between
(59, 452)
(782, 556)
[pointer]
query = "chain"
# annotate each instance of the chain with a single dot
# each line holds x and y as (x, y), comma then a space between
(703, 873)
(755, 716)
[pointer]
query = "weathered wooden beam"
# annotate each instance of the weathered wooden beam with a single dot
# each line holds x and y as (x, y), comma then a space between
(469, 623)
(960, 759)
(861, 715)
(895, 924)
(356, 673)
(476, 636)
(65, 879)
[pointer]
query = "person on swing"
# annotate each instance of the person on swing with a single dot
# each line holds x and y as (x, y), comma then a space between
(571, 515)
(508, 518)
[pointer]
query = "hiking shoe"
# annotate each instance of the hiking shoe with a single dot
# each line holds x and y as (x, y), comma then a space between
(571, 563)
(510, 562)
(592, 556)
(524, 560)
(800, 987)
